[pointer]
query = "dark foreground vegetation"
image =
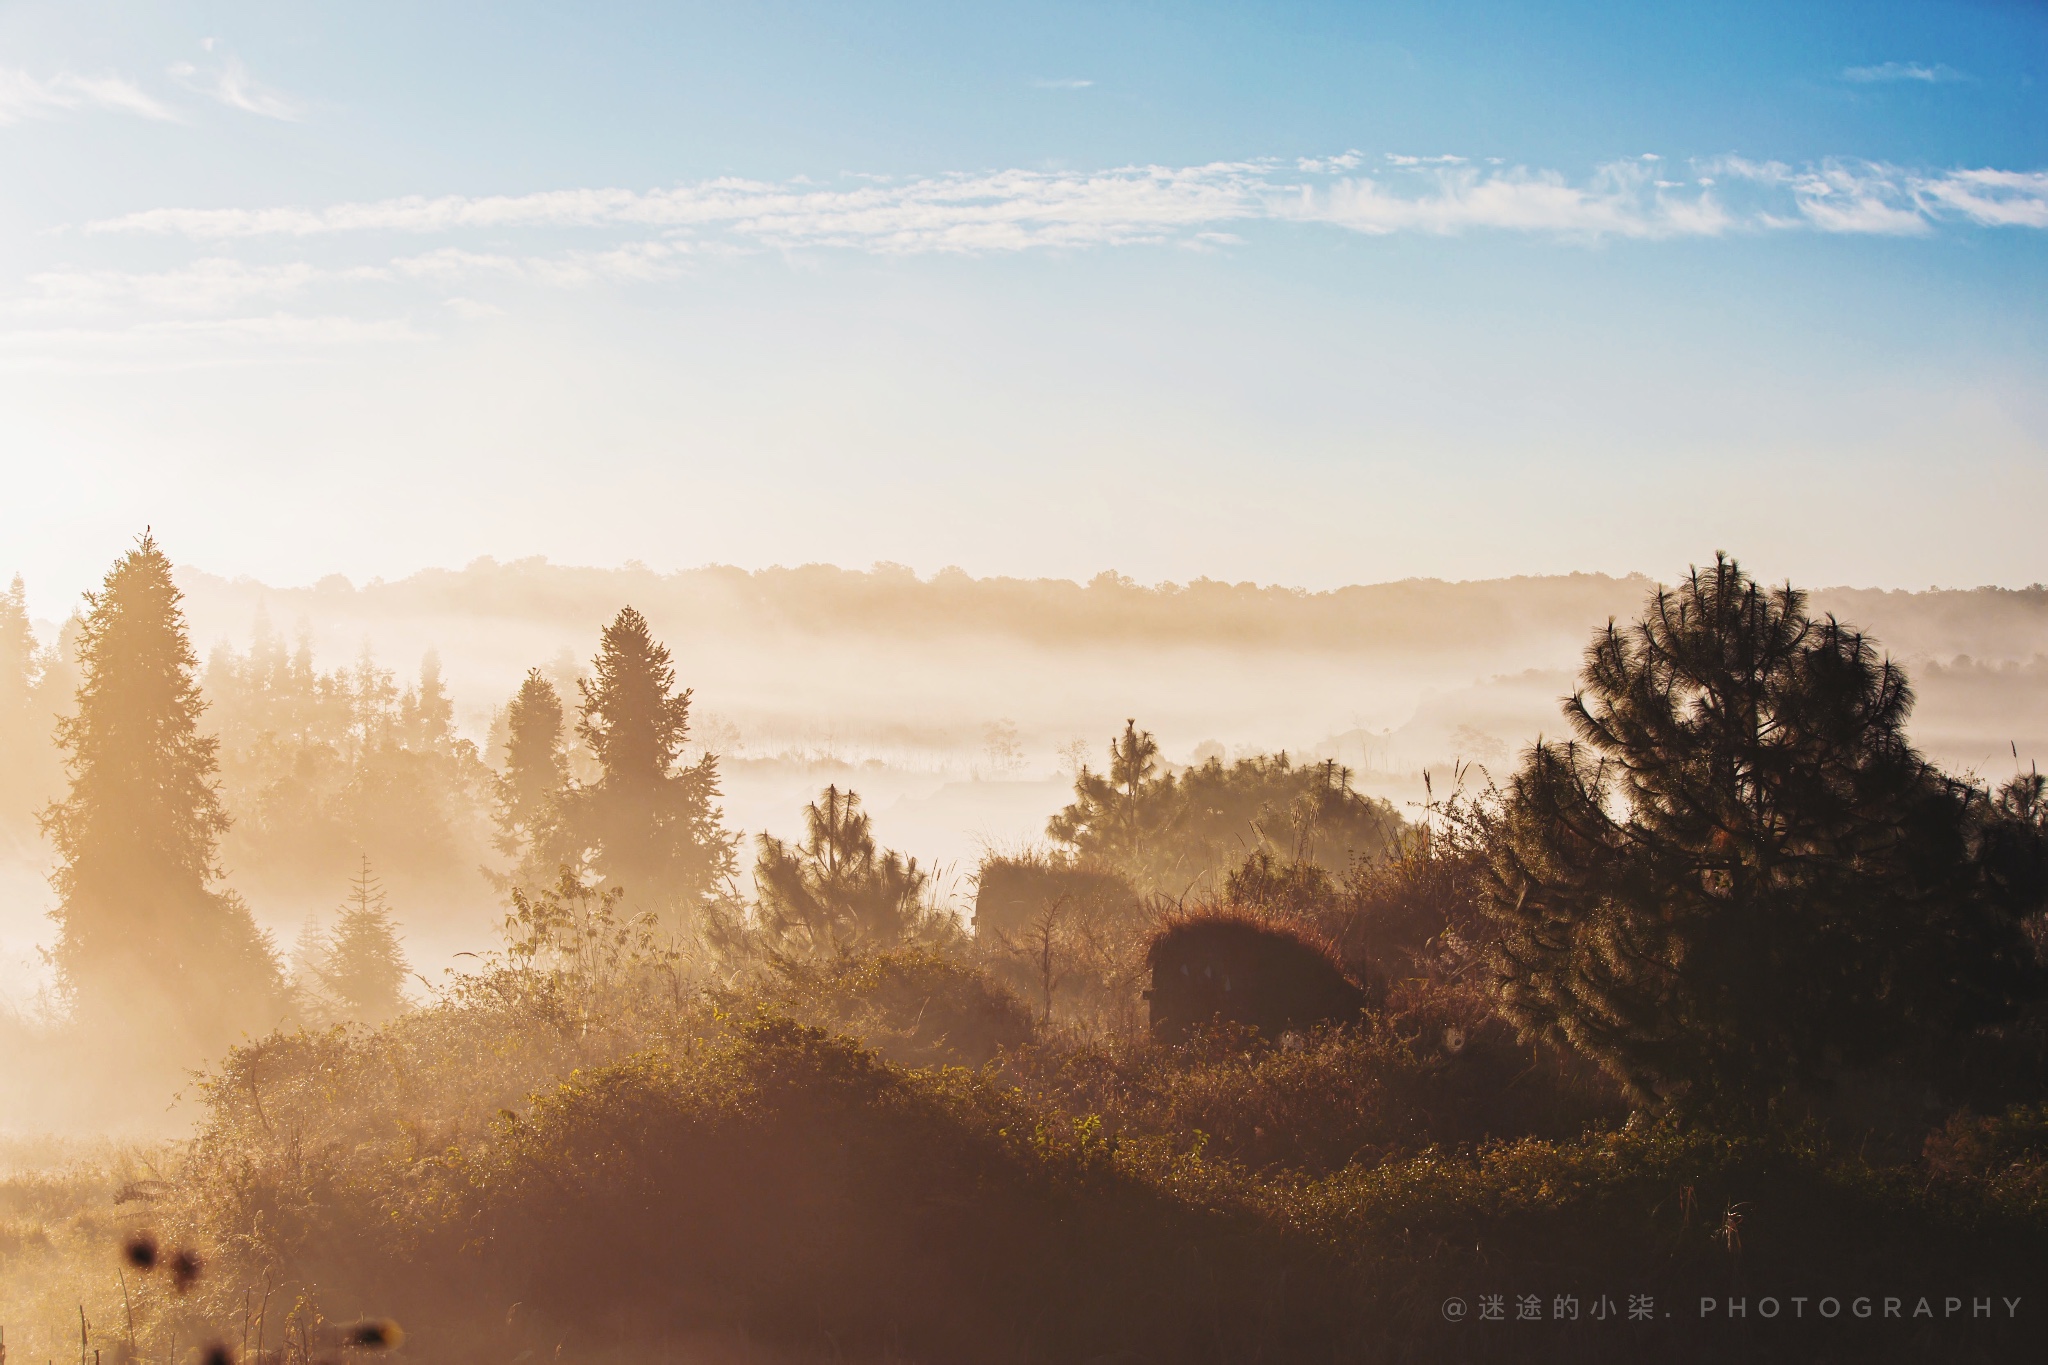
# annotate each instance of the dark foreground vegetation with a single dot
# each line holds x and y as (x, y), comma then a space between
(1717, 1032)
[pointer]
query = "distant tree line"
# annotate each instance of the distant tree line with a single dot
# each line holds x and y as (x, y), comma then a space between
(318, 766)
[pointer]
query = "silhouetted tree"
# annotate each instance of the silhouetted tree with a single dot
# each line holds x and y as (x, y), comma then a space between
(534, 788)
(652, 823)
(836, 892)
(359, 969)
(143, 936)
(1114, 816)
(1741, 877)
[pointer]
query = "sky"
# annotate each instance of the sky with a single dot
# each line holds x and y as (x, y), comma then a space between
(1298, 293)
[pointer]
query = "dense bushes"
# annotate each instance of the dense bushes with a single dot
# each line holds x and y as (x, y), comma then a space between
(582, 1162)
(748, 1179)
(790, 1185)
(914, 1006)
(1314, 1104)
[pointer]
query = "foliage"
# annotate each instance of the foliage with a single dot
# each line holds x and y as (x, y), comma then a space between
(573, 937)
(1220, 964)
(1414, 911)
(837, 893)
(1326, 1099)
(1012, 891)
(1066, 935)
(144, 940)
(1178, 833)
(1417, 910)
(534, 790)
(652, 824)
(1741, 877)
(913, 1006)
(579, 1150)
(321, 767)
(741, 1178)
(357, 970)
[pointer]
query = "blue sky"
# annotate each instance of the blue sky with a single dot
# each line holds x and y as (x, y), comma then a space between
(1304, 293)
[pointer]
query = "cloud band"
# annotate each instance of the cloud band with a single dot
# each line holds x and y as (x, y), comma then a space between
(1018, 210)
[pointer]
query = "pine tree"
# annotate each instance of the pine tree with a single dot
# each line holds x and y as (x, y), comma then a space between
(651, 822)
(144, 938)
(1115, 816)
(533, 791)
(1741, 878)
(836, 892)
(359, 968)
(430, 715)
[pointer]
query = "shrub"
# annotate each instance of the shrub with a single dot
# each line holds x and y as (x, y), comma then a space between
(1222, 965)
(768, 1183)
(913, 1006)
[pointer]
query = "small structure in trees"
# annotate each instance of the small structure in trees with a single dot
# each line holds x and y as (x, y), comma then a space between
(1230, 968)
(1012, 892)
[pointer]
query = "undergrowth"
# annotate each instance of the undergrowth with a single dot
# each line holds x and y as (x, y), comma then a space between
(538, 1167)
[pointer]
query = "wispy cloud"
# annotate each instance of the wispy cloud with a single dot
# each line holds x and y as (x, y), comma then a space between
(1018, 210)
(1623, 199)
(180, 344)
(218, 285)
(23, 96)
(1993, 198)
(205, 286)
(633, 262)
(1061, 83)
(1872, 197)
(1837, 196)
(1936, 74)
(227, 80)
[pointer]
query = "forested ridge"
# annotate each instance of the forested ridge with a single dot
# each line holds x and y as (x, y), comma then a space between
(891, 600)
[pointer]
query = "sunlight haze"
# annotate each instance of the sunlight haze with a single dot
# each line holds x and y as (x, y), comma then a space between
(961, 684)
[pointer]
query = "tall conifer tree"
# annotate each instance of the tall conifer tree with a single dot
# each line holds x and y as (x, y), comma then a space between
(1741, 878)
(145, 939)
(533, 792)
(360, 968)
(652, 823)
